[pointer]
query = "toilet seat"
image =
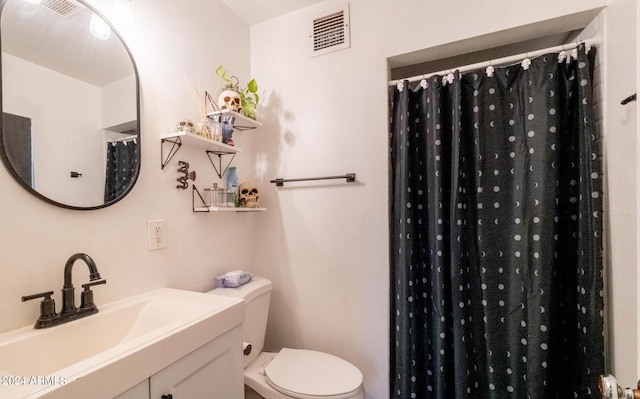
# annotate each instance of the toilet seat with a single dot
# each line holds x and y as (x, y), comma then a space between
(306, 374)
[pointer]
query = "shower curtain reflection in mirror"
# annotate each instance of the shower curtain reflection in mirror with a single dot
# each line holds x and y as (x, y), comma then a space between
(496, 234)
(122, 166)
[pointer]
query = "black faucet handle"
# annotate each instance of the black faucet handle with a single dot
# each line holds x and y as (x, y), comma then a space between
(86, 297)
(47, 306)
(45, 295)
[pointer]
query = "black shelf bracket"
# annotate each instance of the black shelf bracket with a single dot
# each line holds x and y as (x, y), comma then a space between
(218, 168)
(176, 143)
(194, 191)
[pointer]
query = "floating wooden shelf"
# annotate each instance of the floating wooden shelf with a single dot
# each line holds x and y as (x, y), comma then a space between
(240, 121)
(177, 139)
(196, 197)
(201, 143)
(227, 209)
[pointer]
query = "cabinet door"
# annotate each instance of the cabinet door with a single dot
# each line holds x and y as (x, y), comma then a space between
(212, 371)
(140, 391)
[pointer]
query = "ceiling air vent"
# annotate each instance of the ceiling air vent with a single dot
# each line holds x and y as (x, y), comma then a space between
(330, 32)
(62, 8)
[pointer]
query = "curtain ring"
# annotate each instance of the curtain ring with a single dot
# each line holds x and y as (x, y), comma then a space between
(450, 78)
(490, 71)
(562, 56)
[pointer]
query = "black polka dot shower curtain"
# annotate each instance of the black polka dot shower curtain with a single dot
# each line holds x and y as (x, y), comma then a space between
(121, 168)
(496, 234)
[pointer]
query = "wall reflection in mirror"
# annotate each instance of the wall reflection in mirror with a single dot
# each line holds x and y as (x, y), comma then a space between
(70, 109)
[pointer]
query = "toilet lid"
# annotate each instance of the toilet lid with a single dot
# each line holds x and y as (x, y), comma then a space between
(303, 373)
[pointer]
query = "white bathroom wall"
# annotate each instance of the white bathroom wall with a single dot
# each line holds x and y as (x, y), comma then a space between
(325, 246)
(176, 44)
(118, 102)
(637, 161)
(621, 139)
(34, 93)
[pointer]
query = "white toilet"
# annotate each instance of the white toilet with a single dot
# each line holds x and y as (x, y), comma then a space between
(290, 373)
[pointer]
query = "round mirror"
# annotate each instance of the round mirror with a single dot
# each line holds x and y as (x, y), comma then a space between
(70, 104)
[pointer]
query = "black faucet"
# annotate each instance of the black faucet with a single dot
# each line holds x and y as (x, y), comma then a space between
(48, 316)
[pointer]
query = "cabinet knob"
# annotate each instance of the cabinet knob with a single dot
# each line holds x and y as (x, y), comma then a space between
(169, 396)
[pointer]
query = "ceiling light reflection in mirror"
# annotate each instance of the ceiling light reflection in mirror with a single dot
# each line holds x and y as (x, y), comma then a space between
(98, 28)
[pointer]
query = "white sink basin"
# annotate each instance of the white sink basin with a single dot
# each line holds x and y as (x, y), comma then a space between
(124, 343)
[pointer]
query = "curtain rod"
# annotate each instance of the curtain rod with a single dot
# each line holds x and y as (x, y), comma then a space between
(132, 137)
(500, 61)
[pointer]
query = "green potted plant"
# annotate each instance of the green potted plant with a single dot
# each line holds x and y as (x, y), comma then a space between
(248, 96)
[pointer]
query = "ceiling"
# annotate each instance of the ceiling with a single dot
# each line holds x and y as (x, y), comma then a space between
(255, 11)
(27, 31)
(63, 43)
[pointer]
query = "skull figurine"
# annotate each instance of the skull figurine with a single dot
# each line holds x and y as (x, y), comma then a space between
(185, 125)
(229, 100)
(248, 194)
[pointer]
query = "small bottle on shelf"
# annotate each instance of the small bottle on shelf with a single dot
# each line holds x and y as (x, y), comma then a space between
(232, 186)
(215, 196)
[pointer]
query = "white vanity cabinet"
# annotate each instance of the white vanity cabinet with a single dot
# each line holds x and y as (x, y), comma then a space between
(215, 370)
(140, 391)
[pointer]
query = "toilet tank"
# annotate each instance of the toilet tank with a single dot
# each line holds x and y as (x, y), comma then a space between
(256, 294)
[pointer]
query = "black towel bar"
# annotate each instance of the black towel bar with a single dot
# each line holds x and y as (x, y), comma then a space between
(350, 177)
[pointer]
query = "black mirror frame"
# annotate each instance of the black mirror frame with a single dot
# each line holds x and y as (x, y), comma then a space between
(3, 152)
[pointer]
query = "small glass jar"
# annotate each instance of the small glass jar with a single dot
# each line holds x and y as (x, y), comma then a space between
(215, 196)
(203, 128)
(216, 131)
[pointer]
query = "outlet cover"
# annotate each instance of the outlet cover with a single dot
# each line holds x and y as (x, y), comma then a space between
(156, 234)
